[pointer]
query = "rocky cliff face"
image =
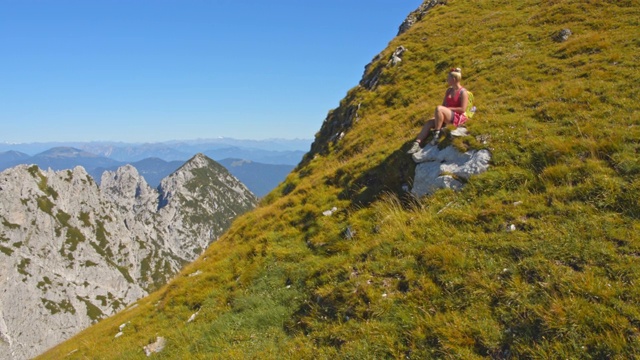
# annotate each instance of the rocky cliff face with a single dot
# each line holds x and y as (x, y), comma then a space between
(72, 252)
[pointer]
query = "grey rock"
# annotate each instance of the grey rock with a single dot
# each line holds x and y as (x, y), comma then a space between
(155, 347)
(418, 14)
(396, 57)
(438, 169)
(562, 35)
(373, 70)
(72, 253)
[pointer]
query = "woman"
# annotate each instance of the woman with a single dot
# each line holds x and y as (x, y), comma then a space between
(451, 111)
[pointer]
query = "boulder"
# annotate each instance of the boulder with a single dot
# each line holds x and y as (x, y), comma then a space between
(562, 35)
(445, 168)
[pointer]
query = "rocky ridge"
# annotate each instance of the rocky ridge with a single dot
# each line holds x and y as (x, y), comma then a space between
(73, 252)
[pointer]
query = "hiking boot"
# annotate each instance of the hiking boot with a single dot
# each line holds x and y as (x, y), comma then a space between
(414, 148)
(436, 135)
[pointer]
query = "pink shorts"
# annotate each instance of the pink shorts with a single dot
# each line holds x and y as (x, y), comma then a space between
(458, 119)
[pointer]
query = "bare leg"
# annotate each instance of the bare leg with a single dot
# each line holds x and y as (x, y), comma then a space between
(442, 115)
(425, 130)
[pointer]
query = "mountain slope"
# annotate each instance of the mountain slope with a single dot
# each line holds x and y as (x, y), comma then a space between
(11, 158)
(448, 276)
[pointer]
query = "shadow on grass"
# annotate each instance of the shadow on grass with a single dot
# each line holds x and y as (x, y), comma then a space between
(394, 175)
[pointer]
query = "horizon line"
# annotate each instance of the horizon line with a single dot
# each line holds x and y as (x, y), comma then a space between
(151, 142)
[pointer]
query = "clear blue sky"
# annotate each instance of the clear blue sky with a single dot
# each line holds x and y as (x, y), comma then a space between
(156, 70)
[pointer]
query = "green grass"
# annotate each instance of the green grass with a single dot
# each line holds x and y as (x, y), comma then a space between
(57, 307)
(5, 250)
(9, 225)
(438, 277)
(22, 266)
(93, 312)
(45, 205)
(85, 218)
(42, 184)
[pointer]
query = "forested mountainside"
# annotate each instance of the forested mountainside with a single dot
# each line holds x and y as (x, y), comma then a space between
(535, 258)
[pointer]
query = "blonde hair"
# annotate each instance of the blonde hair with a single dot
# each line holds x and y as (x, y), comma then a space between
(456, 73)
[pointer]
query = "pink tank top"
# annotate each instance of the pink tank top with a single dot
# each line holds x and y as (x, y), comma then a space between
(454, 101)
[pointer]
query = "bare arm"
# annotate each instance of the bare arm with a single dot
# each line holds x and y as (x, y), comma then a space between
(465, 102)
(444, 101)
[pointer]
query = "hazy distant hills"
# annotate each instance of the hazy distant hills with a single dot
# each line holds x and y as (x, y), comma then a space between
(259, 178)
(11, 158)
(271, 151)
(67, 157)
(260, 164)
(57, 159)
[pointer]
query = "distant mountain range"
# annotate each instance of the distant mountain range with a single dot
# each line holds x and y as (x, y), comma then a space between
(259, 178)
(260, 164)
(271, 151)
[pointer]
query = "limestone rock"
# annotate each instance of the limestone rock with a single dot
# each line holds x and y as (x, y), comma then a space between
(438, 169)
(396, 57)
(72, 253)
(155, 347)
(418, 14)
(373, 70)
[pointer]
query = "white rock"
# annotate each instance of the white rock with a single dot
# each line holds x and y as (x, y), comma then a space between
(193, 317)
(438, 169)
(155, 347)
(330, 212)
(460, 132)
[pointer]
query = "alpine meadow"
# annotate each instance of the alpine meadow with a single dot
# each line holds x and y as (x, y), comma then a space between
(536, 258)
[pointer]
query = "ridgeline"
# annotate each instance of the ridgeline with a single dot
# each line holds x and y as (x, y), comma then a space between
(539, 257)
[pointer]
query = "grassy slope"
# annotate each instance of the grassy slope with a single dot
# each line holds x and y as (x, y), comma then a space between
(439, 277)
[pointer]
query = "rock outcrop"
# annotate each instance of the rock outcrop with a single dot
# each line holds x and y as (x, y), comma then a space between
(72, 253)
(562, 35)
(417, 14)
(446, 168)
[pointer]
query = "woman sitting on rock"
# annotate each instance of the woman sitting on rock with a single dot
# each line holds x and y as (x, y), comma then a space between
(452, 111)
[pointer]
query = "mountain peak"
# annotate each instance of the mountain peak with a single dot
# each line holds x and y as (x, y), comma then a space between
(201, 170)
